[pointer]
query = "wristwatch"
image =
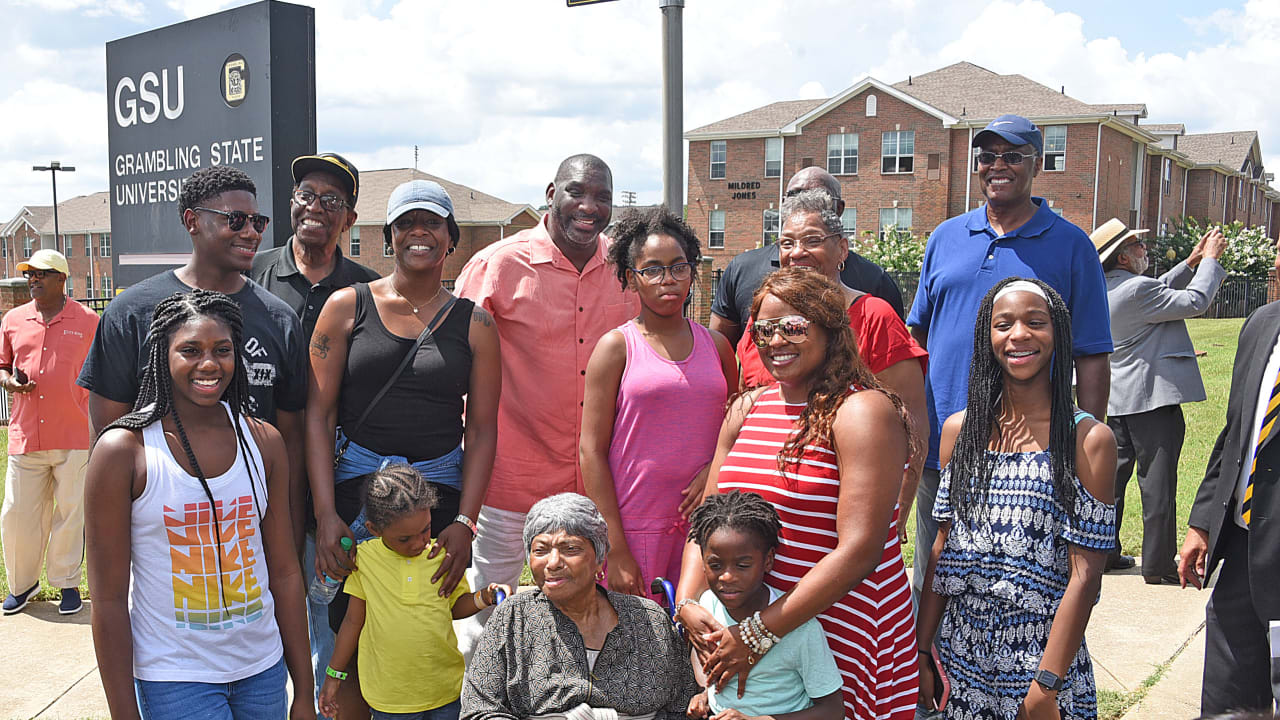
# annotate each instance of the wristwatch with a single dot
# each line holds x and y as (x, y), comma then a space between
(1049, 681)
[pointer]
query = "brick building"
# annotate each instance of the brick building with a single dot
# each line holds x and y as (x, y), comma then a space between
(85, 226)
(903, 156)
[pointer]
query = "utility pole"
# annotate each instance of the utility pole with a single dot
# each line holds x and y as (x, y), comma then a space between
(673, 105)
(53, 169)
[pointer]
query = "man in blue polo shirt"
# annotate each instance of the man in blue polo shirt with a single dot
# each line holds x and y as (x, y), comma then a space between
(1013, 234)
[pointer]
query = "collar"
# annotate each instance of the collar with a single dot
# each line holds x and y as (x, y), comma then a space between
(1039, 223)
(286, 266)
(34, 312)
(542, 249)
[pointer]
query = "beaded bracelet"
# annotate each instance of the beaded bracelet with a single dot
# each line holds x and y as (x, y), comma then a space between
(764, 629)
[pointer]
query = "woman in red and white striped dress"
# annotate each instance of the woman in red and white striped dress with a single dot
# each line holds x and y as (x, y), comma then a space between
(827, 445)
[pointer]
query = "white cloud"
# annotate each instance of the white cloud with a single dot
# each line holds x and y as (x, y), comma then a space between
(91, 8)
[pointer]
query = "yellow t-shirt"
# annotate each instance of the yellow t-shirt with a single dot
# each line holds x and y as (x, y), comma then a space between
(409, 659)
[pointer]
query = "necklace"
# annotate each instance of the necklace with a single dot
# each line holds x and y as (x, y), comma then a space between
(416, 308)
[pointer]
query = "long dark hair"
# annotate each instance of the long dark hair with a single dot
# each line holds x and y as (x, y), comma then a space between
(971, 464)
(822, 303)
(155, 395)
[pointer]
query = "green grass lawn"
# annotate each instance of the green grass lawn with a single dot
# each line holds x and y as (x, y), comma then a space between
(1217, 338)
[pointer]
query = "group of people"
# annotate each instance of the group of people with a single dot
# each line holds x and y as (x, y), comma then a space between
(557, 408)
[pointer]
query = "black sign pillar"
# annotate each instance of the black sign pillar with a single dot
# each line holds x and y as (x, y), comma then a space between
(233, 88)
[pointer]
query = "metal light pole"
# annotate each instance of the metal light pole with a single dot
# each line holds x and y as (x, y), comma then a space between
(672, 105)
(53, 168)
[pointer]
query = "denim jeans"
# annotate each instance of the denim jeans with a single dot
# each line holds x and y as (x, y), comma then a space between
(257, 696)
(444, 712)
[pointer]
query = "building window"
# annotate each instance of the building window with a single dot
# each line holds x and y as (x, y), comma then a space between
(1055, 148)
(104, 248)
(715, 229)
(842, 154)
(773, 157)
(106, 284)
(70, 288)
(772, 225)
(1164, 228)
(88, 245)
(1166, 176)
(897, 151)
(355, 241)
(1213, 190)
(1056, 211)
(26, 246)
(88, 284)
(719, 159)
(849, 220)
(871, 106)
(898, 218)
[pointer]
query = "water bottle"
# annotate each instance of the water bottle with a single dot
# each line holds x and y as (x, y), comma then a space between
(323, 588)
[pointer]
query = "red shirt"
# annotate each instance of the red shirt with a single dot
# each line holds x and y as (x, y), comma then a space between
(549, 317)
(882, 338)
(55, 415)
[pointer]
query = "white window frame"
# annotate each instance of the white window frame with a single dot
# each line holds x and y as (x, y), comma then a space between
(719, 148)
(104, 245)
(773, 157)
(715, 235)
(897, 217)
(1055, 148)
(88, 244)
(1166, 176)
(26, 246)
(774, 218)
(107, 286)
(897, 156)
(353, 249)
(849, 221)
(88, 284)
(840, 144)
(872, 105)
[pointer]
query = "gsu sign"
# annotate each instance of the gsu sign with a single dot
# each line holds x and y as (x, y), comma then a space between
(139, 101)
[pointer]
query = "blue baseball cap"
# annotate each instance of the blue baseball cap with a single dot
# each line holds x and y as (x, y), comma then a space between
(418, 195)
(1013, 129)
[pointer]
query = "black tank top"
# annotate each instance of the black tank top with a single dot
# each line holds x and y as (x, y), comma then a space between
(420, 417)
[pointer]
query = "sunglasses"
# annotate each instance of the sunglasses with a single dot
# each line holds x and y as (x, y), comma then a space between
(653, 274)
(39, 274)
(237, 218)
(332, 203)
(794, 329)
(1012, 157)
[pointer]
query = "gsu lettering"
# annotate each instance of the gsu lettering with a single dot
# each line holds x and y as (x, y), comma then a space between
(140, 101)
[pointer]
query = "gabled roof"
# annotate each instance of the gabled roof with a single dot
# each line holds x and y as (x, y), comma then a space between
(470, 206)
(30, 215)
(1165, 128)
(769, 118)
(83, 214)
(865, 83)
(1229, 149)
(969, 91)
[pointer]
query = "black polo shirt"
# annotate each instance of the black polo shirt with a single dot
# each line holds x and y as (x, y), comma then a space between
(276, 271)
(746, 272)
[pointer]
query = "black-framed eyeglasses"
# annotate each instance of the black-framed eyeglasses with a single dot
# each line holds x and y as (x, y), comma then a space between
(794, 329)
(1013, 157)
(680, 272)
(808, 242)
(237, 218)
(39, 274)
(332, 203)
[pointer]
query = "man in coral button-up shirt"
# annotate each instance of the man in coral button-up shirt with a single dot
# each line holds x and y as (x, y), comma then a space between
(552, 295)
(42, 346)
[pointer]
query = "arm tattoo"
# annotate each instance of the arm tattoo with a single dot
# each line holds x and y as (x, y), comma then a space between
(481, 315)
(320, 346)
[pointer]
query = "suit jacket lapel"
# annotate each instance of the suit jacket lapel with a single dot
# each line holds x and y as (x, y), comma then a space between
(1260, 355)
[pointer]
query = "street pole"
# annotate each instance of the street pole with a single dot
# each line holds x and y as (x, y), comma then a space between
(672, 105)
(53, 169)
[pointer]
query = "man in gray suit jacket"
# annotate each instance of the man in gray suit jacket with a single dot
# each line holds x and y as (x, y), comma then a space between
(1153, 371)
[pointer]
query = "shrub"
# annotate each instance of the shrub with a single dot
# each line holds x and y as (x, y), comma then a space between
(899, 251)
(1250, 253)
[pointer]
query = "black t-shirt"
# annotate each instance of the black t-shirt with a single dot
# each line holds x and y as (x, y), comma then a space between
(276, 271)
(420, 417)
(746, 272)
(273, 346)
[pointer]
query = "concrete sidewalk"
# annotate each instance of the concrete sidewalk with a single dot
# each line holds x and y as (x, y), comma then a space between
(1135, 629)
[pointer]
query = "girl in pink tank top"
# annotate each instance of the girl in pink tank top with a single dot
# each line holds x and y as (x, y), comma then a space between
(655, 396)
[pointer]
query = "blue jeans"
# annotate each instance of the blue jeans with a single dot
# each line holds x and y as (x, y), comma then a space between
(322, 636)
(444, 712)
(257, 696)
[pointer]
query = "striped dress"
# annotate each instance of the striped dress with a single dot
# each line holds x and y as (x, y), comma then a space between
(871, 630)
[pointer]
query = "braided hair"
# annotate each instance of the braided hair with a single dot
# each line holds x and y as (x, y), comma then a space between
(394, 491)
(971, 465)
(822, 303)
(737, 510)
(155, 394)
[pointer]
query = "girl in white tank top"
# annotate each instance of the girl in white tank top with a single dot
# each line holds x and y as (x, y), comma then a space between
(197, 591)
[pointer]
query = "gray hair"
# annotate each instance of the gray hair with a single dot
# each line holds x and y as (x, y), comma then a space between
(574, 514)
(817, 201)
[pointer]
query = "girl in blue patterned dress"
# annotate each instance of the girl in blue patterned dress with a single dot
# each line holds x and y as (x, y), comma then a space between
(1023, 537)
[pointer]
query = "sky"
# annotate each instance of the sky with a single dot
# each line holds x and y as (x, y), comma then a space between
(496, 92)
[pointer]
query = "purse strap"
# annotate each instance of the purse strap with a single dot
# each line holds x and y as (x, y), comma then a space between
(404, 363)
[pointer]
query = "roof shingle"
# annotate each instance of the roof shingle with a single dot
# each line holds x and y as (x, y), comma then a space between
(1226, 148)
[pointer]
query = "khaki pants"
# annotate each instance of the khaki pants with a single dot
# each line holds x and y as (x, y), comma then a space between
(44, 505)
